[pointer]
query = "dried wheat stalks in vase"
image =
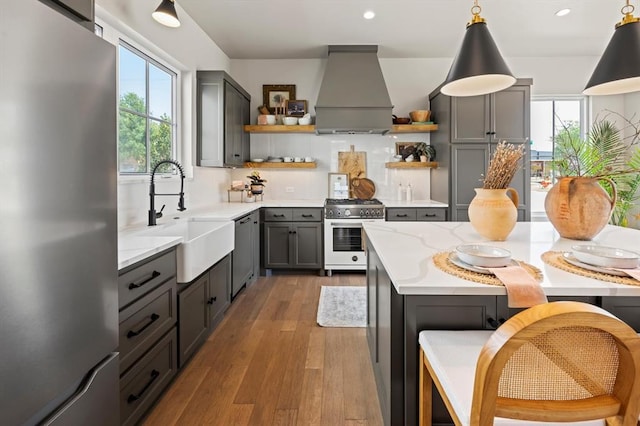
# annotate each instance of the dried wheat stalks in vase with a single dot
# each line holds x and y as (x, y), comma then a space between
(503, 166)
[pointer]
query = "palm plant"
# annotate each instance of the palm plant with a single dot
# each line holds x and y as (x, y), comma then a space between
(605, 153)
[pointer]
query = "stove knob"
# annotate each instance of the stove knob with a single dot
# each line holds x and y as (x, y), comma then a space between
(347, 212)
(361, 212)
(339, 213)
(367, 212)
(330, 213)
(354, 258)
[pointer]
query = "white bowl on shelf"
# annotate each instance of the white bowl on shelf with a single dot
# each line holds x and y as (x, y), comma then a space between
(485, 256)
(304, 121)
(257, 160)
(289, 121)
(607, 257)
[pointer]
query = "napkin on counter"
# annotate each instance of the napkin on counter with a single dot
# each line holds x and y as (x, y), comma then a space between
(633, 273)
(523, 291)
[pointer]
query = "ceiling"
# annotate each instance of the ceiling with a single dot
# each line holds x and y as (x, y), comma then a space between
(294, 29)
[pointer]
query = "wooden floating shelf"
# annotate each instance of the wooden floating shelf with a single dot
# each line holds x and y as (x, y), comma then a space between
(276, 128)
(396, 128)
(413, 128)
(411, 165)
(267, 165)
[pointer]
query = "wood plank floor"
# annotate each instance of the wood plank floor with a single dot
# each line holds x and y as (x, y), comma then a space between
(269, 363)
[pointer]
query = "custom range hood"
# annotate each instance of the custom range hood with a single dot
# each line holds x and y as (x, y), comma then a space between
(353, 96)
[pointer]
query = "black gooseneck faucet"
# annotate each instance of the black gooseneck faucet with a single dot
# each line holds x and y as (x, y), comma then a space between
(153, 215)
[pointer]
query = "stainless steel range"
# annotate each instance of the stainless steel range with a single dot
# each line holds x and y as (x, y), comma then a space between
(343, 231)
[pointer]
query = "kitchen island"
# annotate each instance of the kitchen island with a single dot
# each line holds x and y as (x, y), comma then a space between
(407, 293)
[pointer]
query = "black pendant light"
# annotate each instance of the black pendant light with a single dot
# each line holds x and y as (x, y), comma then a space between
(478, 68)
(166, 14)
(619, 68)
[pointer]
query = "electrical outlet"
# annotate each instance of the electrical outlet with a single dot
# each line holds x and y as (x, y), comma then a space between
(290, 189)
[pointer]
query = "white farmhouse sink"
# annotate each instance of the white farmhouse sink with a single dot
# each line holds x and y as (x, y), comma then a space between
(203, 243)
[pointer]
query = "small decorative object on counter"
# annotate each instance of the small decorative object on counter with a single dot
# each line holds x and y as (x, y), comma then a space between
(400, 192)
(409, 195)
(257, 183)
(492, 213)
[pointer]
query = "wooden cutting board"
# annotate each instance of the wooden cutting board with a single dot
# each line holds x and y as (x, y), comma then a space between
(353, 162)
(363, 188)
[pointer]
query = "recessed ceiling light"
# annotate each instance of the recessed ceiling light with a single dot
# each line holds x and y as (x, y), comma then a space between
(369, 14)
(563, 12)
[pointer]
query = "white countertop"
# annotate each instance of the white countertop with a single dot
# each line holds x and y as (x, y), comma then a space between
(133, 248)
(414, 203)
(406, 249)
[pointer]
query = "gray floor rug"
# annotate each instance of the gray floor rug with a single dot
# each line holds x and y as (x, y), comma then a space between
(342, 306)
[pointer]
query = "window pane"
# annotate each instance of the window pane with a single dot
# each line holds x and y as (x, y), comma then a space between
(132, 146)
(161, 136)
(160, 93)
(132, 81)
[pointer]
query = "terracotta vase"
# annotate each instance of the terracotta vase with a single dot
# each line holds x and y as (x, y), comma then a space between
(578, 207)
(493, 213)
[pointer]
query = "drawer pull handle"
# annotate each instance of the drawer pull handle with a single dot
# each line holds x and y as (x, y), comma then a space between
(211, 300)
(154, 275)
(401, 215)
(493, 323)
(153, 318)
(307, 215)
(278, 215)
(132, 398)
(430, 215)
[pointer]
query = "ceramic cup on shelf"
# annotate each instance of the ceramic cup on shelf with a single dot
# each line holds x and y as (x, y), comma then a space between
(288, 159)
(308, 159)
(271, 119)
(298, 159)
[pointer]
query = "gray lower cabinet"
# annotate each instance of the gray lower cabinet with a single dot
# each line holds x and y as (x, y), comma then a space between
(223, 108)
(418, 214)
(625, 308)
(201, 306)
(243, 258)
(469, 130)
(292, 238)
(148, 344)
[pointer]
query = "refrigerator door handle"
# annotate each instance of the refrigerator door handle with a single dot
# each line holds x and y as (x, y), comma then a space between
(132, 398)
(154, 275)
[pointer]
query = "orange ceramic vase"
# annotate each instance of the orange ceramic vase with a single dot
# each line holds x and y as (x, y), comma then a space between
(493, 213)
(578, 207)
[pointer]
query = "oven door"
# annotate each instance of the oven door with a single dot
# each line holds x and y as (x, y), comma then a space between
(343, 244)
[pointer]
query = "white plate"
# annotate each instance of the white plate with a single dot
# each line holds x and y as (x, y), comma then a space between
(257, 160)
(575, 262)
(456, 261)
(607, 257)
(484, 256)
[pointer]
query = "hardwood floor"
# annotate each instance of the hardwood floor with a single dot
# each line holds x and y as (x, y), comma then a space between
(269, 363)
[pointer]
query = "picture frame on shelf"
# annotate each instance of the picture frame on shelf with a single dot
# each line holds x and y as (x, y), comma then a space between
(338, 185)
(275, 96)
(296, 108)
(406, 149)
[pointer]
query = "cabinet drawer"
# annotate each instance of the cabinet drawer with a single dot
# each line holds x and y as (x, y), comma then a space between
(145, 321)
(140, 279)
(307, 215)
(141, 386)
(401, 214)
(431, 214)
(277, 215)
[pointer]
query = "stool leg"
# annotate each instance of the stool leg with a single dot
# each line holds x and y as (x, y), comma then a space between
(425, 397)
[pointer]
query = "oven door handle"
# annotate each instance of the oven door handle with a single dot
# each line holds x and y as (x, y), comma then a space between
(346, 225)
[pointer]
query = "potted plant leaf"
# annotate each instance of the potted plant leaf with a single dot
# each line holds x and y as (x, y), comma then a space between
(425, 152)
(257, 183)
(598, 178)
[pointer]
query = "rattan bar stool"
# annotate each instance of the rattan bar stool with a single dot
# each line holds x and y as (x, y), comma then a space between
(556, 362)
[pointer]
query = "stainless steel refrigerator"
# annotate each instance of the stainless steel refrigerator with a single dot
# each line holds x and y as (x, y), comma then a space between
(58, 221)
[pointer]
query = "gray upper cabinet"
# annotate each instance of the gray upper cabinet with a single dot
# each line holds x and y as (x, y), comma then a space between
(469, 131)
(223, 110)
(501, 116)
(81, 11)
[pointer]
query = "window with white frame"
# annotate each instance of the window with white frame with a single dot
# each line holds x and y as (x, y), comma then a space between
(552, 119)
(147, 112)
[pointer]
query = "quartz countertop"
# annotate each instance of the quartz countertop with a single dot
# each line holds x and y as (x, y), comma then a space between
(133, 248)
(414, 203)
(406, 250)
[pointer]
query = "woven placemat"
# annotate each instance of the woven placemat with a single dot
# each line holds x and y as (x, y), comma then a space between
(555, 259)
(441, 260)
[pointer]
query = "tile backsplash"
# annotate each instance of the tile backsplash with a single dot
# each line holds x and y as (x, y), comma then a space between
(303, 184)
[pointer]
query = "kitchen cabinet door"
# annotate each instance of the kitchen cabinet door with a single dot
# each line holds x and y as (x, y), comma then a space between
(307, 245)
(219, 292)
(471, 119)
(192, 318)
(468, 165)
(276, 245)
(235, 110)
(242, 258)
(510, 115)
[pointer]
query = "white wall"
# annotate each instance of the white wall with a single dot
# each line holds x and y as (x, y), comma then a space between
(186, 49)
